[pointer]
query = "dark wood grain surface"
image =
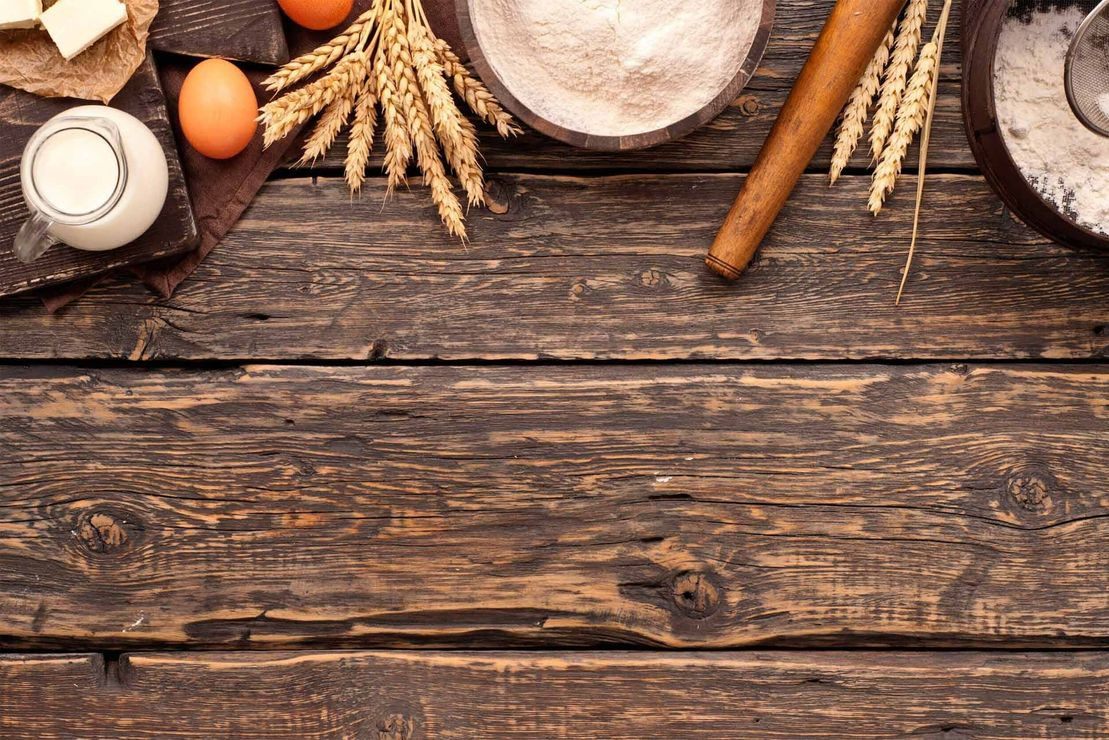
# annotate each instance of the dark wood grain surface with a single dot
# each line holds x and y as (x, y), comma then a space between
(397, 696)
(244, 30)
(664, 506)
(174, 232)
(348, 431)
(606, 268)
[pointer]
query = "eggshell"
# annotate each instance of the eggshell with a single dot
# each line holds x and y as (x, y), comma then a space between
(218, 109)
(317, 15)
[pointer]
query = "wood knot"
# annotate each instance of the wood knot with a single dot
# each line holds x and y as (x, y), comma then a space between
(1029, 491)
(379, 350)
(396, 727)
(695, 595)
(749, 105)
(103, 533)
(579, 290)
(652, 278)
(498, 196)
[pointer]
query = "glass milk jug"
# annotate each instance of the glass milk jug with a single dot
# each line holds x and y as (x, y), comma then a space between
(94, 178)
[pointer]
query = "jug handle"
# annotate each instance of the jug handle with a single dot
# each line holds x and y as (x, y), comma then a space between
(33, 238)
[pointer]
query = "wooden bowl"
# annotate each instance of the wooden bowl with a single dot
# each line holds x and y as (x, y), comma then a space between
(615, 143)
(982, 21)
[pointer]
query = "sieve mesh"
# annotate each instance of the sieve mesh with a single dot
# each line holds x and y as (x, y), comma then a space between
(1088, 71)
(1087, 67)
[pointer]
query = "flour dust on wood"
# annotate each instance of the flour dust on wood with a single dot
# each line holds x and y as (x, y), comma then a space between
(616, 67)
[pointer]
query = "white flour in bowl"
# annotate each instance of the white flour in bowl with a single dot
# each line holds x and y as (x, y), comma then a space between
(615, 67)
(1066, 163)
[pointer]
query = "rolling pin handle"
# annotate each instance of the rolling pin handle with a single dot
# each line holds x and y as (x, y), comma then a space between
(723, 269)
(843, 51)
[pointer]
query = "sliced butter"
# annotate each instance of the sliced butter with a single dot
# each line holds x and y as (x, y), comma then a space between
(75, 25)
(19, 13)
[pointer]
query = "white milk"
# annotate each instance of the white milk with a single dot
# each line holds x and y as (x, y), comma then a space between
(76, 171)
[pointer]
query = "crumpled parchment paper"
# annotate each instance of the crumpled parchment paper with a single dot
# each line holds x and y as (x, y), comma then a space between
(30, 61)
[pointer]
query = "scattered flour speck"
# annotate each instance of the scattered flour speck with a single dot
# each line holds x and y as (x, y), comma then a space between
(1063, 160)
(616, 67)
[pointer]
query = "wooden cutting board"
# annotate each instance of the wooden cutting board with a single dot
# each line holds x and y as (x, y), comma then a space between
(174, 232)
(243, 30)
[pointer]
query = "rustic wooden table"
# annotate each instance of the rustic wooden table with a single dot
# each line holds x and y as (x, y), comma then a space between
(647, 503)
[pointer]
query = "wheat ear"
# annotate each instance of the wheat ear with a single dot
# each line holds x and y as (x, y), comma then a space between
(455, 133)
(283, 115)
(897, 72)
(398, 143)
(420, 132)
(938, 38)
(858, 108)
(910, 119)
(474, 92)
(361, 140)
(303, 67)
(335, 117)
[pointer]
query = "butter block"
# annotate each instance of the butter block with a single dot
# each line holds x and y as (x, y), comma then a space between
(75, 25)
(19, 13)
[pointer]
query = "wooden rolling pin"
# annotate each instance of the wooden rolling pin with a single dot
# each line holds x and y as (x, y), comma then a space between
(845, 47)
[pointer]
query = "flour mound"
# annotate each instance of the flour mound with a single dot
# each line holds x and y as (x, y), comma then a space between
(1066, 163)
(616, 67)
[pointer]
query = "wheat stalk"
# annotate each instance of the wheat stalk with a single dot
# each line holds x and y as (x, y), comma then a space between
(858, 108)
(455, 133)
(474, 92)
(389, 60)
(897, 72)
(361, 140)
(334, 119)
(420, 132)
(398, 143)
(303, 67)
(910, 119)
(938, 37)
(283, 115)
(465, 164)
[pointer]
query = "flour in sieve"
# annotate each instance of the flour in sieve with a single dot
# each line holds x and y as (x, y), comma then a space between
(1066, 163)
(616, 67)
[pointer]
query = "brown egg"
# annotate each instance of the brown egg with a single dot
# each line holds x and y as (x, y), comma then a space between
(317, 15)
(218, 109)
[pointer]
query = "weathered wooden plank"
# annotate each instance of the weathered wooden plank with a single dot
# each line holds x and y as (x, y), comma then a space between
(401, 695)
(662, 505)
(245, 30)
(600, 268)
(733, 140)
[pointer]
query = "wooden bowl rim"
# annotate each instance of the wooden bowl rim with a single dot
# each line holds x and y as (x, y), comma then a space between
(981, 31)
(674, 131)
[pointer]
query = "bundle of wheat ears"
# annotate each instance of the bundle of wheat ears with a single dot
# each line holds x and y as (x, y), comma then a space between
(897, 93)
(389, 59)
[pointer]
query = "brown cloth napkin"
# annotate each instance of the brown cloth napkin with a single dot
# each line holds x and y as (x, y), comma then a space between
(222, 190)
(219, 190)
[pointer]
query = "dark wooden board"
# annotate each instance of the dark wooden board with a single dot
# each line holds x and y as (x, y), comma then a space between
(174, 232)
(600, 268)
(733, 140)
(705, 506)
(244, 30)
(403, 696)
